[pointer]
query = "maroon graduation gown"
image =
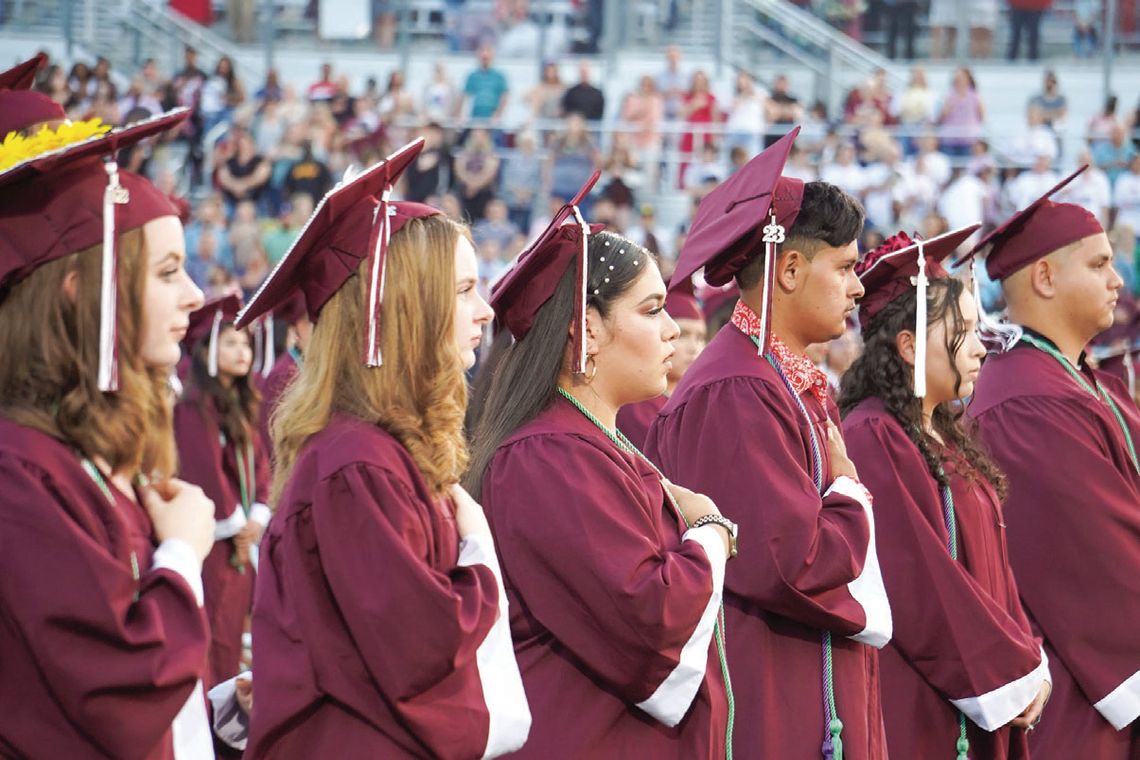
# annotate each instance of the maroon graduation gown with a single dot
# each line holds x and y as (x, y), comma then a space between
(1073, 517)
(604, 596)
(633, 420)
(93, 663)
(368, 635)
(205, 462)
(283, 372)
(807, 563)
(960, 634)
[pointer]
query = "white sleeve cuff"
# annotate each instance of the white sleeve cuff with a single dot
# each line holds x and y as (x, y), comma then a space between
(260, 513)
(231, 724)
(867, 589)
(673, 697)
(231, 526)
(507, 709)
(178, 556)
(1122, 705)
(994, 709)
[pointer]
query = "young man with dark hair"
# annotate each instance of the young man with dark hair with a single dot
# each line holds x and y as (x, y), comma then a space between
(1066, 436)
(752, 425)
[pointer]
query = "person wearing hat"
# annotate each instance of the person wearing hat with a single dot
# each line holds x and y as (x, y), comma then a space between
(1066, 435)
(614, 575)
(276, 372)
(219, 450)
(379, 620)
(753, 426)
(104, 636)
(633, 420)
(963, 674)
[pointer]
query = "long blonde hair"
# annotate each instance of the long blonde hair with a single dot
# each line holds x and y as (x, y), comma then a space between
(419, 395)
(50, 343)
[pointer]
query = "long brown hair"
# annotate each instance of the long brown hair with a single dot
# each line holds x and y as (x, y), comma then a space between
(236, 406)
(881, 372)
(419, 395)
(50, 343)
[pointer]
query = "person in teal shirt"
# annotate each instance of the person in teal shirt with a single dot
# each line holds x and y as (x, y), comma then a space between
(486, 88)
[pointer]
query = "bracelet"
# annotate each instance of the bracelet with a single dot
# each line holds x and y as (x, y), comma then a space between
(729, 526)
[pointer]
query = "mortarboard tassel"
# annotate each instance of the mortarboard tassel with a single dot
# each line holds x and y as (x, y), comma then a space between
(212, 349)
(991, 330)
(114, 195)
(920, 321)
(1130, 372)
(579, 358)
(378, 245)
(773, 236)
(269, 350)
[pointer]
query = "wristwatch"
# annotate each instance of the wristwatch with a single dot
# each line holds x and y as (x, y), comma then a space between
(724, 522)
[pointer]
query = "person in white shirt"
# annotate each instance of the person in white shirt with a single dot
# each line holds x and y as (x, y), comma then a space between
(931, 162)
(844, 172)
(1126, 196)
(1091, 189)
(1038, 140)
(746, 119)
(1032, 184)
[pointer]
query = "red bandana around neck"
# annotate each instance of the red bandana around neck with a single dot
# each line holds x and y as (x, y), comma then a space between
(800, 371)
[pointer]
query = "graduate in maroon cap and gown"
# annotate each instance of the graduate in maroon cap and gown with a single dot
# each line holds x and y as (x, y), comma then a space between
(103, 634)
(681, 304)
(752, 425)
(614, 576)
(278, 372)
(963, 674)
(220, 451)
(380, 624)
(1066, 437)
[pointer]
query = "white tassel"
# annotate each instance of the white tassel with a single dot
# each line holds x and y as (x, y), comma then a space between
(920, 326)
(115, 194)
(1130, 373)
(581, 315)
(268, 350)
(382, 216)
(997, 336)
(774, 235)
(212, 349)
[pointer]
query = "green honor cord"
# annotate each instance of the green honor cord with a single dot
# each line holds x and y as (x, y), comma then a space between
(963, 744)
(1099, 392)
(97, 476)
(626, 445)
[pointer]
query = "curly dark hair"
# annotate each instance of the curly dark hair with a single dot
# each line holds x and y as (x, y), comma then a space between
(881, 372)
(237, 406)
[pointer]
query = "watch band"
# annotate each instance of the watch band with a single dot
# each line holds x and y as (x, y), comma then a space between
(724, 522)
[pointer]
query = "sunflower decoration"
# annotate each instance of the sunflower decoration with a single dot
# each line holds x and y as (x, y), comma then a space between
(18, 147)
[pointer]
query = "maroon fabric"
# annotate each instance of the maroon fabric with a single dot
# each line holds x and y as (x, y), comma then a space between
(202, 320)
(1034, 232)
(727, 227)
(52, 206)
(534, 275)
(959, 629)
(1072, 540)
(633, 420)
(25, 109)
(732, 431)
(95, 664)
(335, 239)
(887, 271)
(366, 629)
(212, 466)
(681, 302)
(603, 594)
(23, 75)
(279, 378)
(714, 298)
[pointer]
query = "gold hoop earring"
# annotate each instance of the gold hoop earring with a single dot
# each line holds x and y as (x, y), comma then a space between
(591, 361)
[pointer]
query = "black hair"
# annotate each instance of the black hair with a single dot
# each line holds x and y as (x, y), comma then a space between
(828, 216)
(236, 406)
(881, 372)
(523, 381)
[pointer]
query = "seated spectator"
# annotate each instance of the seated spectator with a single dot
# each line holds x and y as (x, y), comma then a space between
(1036, 141)
(271, 88)
(246, 172)
(915, 106)
(649, 236)
(963, 115)
(968, 197)
(584, 98)
(1126, 195)
(709, 170)
(622, 177)
(571, 159)
(396, 105)
(308, 176)
(1052, 102)
(1115, 156)
(1099, 130)
(1091, 189)
(881, 179)
(209, 221)
(784, 110)
(521, 179)
(874, 94)
(545, 99)
(746, 120)
(495, 227)
(476, 171)
(1032, 184)
(221, 94)
(844, 171)
(800, 165)
(427, 175)
(643, 111)
(931, 162)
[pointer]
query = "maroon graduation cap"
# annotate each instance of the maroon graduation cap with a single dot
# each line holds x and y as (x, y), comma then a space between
(21, 108)
(353, 221)
(207, 322)
(896, 266)
(534, 276)
(681, 301)
(289, 311)
(755, 206)
(1034, 232)
(72, 197)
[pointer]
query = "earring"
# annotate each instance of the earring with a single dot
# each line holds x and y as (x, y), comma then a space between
(591, 369)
